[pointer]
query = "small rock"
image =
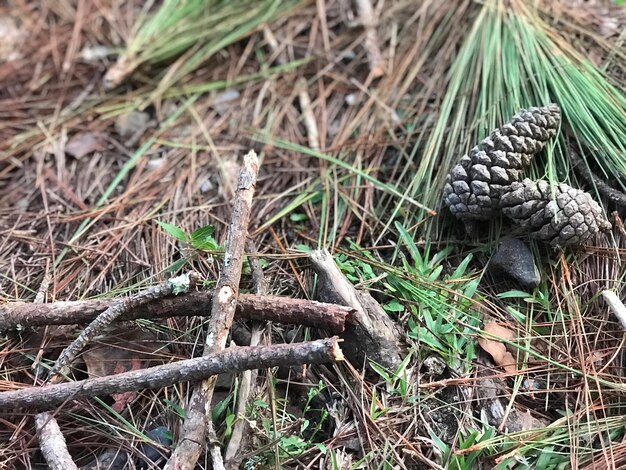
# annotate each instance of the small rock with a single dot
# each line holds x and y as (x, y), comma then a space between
(112, 459)
(351, 99)
(223, 101)
(156, 163)
(135, 122)
(160, 435)
(434, 366)
(514, 259)
(81, 144)
(205, 185)
(96, 52)
(12, 39)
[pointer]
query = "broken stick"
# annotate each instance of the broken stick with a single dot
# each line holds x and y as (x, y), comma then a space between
(69, 354)
(370, 23)
(223, 306)
(51, 440)
(248, 377)
(232, 359)
(330, 317)
(371, 334)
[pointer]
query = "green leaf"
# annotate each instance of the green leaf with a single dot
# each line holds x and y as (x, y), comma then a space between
(410, 244)
(546, 457)
(298, 217)
(514, 294)
(179, 410)
(461, 268)
(229, 424)
(202, 239)
(382, 371)
(221, 407)
(176, 266)
(174, 231)
(203, 233)
(393, 306)
(322, 448)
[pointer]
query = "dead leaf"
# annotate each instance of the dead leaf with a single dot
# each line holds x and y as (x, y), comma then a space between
(82, 144)
(497, 349)
(124, 350)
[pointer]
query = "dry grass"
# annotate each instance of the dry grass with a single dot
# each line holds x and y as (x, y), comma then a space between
(89, 222)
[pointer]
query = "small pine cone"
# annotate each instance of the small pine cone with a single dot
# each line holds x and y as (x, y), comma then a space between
(474, 186)
(570, 218)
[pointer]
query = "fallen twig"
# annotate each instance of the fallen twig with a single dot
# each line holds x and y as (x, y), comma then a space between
(330, 317)
(223, 308)
(308, 115)
(69, 354)
(369, 22)
(248, 377)
(371, 335)
(232, 359)
(51, 440)
(616, 305)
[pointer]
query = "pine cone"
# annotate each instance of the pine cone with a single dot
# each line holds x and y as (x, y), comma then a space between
(570, 218)
(474, 186)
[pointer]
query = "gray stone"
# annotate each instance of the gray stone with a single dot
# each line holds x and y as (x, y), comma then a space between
(514, 259)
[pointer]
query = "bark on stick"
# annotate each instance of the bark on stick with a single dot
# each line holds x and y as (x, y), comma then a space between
(223, 306)
(330, 317)
(248, 377)
(51, 440)
(69, 354)
(371, 334)
(232, 359)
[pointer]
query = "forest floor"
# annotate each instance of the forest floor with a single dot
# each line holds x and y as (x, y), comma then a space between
(112, 182)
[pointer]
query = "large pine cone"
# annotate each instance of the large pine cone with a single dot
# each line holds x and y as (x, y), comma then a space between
(569, 218)
(475, 185)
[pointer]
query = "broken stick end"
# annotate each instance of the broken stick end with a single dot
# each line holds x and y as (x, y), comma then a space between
(337, 353)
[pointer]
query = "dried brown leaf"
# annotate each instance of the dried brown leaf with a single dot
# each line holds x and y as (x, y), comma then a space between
(497, 349)
(122, 352)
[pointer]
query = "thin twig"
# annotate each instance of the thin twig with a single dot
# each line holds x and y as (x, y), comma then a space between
(272, 42)
(214, 448)
(616, 305)
(248, 377)
(69, 354)
(308, 115)
(51, 440)
(370, 23)
(223, 309)
(232, 359)
(330, 317)
(258, 278)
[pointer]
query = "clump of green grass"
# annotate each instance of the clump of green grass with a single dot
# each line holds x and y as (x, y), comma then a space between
(513, 58)
(189, 32)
